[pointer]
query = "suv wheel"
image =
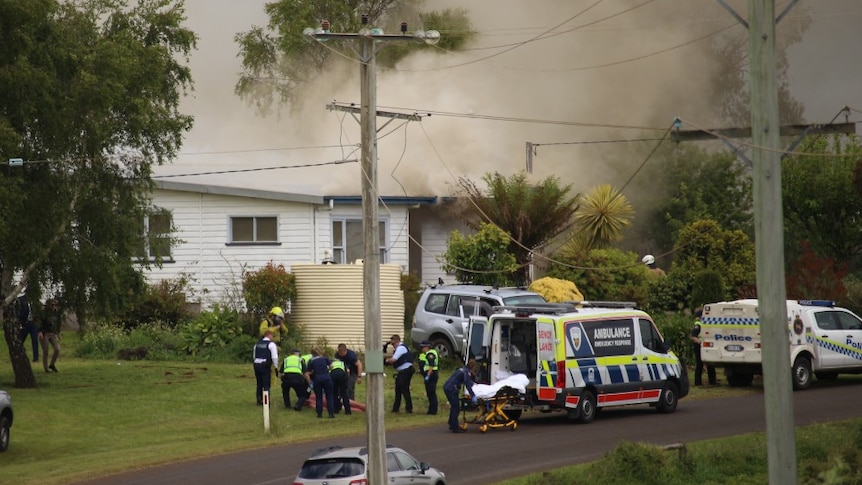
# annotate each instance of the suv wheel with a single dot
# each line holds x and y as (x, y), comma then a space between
(443, 348)
(4, 433)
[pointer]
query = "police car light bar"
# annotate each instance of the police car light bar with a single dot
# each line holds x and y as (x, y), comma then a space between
(826, 303)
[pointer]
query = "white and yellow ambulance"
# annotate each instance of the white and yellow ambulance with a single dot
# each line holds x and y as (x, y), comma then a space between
(824, 340)
(579, 357)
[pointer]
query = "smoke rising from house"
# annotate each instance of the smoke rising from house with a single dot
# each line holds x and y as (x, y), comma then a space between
(610, 73)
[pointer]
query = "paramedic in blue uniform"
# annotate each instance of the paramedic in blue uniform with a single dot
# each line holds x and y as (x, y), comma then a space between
(452, 388)
(402, 360)
(265, 357)
(318, 373)
(428, 368)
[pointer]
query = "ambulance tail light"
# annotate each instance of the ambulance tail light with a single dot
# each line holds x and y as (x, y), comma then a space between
(561, 374)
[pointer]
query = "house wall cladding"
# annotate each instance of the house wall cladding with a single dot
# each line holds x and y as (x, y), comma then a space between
(330, 303)
(215, 267)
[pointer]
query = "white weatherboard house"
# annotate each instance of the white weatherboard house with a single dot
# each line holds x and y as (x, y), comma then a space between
(222, 230)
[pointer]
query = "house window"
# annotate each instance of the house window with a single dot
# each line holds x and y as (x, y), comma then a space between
(347, 241)
(251, 229)
(156, 236)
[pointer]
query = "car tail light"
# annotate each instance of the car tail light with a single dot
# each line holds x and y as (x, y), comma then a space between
(361, 481)
(708, 344)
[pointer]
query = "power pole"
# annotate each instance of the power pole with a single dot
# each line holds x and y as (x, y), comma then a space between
(769, 238)
(368, 40)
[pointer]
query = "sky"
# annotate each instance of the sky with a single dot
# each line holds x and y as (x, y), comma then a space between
(622, 70)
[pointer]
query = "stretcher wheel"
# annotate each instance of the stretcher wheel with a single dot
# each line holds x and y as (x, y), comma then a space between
(463, 426)
(483, 428)
(514, 425)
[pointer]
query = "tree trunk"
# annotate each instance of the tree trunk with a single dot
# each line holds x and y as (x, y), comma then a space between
(24, 377)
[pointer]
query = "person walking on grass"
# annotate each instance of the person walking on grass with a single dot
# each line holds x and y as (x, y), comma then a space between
(49, 333)
(265, 357)
(452, 388)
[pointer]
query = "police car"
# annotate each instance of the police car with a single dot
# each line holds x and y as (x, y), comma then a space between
(579, 357)
(825, 340)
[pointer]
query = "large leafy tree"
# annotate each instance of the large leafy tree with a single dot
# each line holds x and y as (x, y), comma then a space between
(278, 59)
(822, 195)
(89, 97)
(700, 185)
(482, 258)
(531, 214)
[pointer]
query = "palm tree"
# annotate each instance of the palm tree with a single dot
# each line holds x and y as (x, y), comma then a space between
(600, 220)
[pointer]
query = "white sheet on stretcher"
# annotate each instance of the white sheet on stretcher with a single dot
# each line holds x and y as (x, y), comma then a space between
(486, 391)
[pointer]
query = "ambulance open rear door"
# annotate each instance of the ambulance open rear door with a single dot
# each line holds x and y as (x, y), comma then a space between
(546, 372)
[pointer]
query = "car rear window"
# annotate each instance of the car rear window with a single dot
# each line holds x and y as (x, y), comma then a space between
(523, 300)
(332, 468)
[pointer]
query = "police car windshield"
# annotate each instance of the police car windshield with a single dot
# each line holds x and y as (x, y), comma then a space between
(523, 300)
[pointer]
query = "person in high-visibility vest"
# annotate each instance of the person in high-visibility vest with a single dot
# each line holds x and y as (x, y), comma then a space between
(338, 373)
(428, 365)
(274, 322)
(293, 378)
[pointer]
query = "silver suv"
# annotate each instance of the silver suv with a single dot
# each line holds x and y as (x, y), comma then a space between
(443, 312)
(346, 466)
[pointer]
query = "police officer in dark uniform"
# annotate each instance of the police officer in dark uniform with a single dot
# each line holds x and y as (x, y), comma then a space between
(318, 373)
(696, 342)
(293, 378)
(402, 360)
(338, 372)
(265, 356)
(428, 361)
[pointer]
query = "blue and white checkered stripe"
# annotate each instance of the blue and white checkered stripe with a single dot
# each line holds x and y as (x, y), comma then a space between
(834, 347)
(589, 371)
(744, 321)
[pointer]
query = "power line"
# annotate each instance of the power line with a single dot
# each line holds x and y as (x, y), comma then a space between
(258, 169)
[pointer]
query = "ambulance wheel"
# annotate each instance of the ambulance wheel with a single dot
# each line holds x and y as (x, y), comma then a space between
(801, 373)
(667, 401)
(586, 408)
(483, 428)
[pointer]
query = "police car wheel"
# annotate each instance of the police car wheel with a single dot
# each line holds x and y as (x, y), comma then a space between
(667, 401)
(801, 373)
(586, 408)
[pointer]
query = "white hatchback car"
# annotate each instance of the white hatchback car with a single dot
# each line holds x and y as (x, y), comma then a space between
(347, 466)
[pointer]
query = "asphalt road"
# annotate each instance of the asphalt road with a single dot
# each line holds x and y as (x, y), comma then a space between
(539, 443)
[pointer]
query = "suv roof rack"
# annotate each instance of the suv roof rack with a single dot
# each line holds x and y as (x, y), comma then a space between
(546, 308)
(604, 304)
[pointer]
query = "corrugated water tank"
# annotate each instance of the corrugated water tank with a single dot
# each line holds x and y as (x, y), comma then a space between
(329, 303)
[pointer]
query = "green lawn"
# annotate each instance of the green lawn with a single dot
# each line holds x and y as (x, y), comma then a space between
(96, 417)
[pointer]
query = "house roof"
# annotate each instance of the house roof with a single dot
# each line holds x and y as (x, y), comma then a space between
(388, 200)
(239, 192)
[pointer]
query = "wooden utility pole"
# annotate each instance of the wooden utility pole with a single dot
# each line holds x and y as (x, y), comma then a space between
(374, 420)
(769, 244)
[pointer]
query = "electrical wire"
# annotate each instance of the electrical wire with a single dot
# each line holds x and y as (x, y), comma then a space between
(258, 169)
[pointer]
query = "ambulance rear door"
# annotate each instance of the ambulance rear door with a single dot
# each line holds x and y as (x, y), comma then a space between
(546, 374)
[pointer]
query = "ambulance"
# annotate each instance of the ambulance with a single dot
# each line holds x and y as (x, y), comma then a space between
(579, 357)
(825, 340)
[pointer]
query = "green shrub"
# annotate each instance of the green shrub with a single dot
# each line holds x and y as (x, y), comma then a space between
(676, 328)
(707, 287)
(210, 330)
(102, 340)
(163, 302)
(603, 274)
(268, 287)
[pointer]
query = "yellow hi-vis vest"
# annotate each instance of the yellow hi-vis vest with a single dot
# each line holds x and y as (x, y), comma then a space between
(337, 364)
(306, 358)
(293, 364)
(423, 360)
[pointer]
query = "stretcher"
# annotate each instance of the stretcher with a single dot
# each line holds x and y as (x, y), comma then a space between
(490, 411)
